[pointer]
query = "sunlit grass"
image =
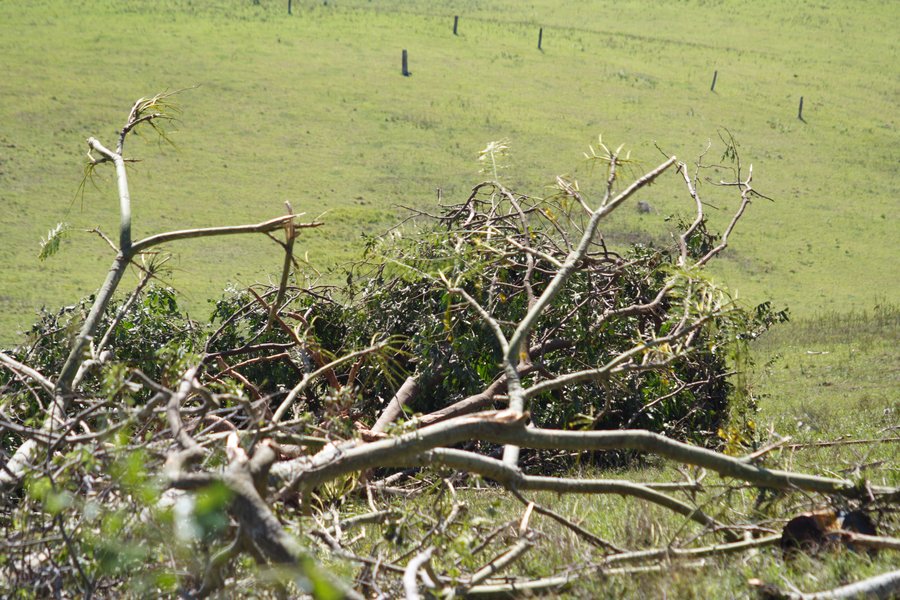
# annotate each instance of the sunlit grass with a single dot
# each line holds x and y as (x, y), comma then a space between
(313, 109)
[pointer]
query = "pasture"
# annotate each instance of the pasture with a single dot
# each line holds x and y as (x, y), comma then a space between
(312, 108)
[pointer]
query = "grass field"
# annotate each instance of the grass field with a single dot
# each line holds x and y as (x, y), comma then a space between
(312, 108)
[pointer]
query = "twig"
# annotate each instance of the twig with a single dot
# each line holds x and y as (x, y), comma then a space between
(295, 391)
(497, 564)
(592, 539)
(411, 574)
(19, 368)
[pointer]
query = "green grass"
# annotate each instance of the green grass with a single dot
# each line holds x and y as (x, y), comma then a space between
(833, 376)
(312, 109)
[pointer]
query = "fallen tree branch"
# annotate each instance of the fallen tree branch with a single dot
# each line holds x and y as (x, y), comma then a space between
(672, 553)
(499, 563)
(508, 428)
(394, 409)
(592, 539)
(244, 477)
(880, 587)
(22, 369)
(411, 574)
(560, 583)
(517, 342)
(513, 478)
(874, 542)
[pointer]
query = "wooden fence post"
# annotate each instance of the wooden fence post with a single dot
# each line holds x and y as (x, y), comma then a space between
(800, 110)
(405, 65)
(712, 88)
(455, 24)
(540, 37)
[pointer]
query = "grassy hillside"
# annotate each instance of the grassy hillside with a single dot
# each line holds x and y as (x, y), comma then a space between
(312, 108)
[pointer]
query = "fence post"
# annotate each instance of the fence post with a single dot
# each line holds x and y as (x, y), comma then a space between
(800, 110)
(455, 24)
(405, 65)
(540, 37)
(289, 7)
(712, 88)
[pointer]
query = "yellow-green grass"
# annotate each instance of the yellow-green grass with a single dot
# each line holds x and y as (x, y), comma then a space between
(834, 376)
(312, 108)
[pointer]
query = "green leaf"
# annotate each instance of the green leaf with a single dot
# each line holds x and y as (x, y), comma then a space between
(210, 509)
(50, 246)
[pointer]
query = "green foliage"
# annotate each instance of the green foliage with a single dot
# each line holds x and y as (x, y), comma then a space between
(106, 543)
(105, 497)
(413, 305)
(404, 290)
(821, 380)
(50, 246)
(209, 511)
(154, 337)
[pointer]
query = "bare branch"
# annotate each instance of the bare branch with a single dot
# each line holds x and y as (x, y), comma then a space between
(506, 427)
(883, 586)
(411, 574)
(22, 369)
(592, 539)
(394, 409)
(513, 478)
(683, 238)
(617, 364)
(517, 396)
(746, 195)
(297, 389)
(499, 563)
(265, 226)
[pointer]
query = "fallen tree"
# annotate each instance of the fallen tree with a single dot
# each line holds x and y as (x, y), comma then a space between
(501, 341)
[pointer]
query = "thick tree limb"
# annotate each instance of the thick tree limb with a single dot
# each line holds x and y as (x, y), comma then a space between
(513, 478)
(508, 428)
(394, 409)
(880, 587)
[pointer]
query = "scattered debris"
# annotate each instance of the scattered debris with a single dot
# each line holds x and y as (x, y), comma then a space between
(812, 532)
